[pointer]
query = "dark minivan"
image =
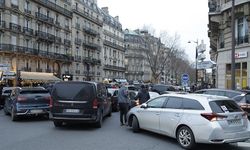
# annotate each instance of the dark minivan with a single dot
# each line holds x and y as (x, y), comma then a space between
(80, 101)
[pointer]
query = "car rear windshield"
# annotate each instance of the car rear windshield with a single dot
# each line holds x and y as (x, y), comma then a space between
(223, 106)
(34, 92)
(73, 91)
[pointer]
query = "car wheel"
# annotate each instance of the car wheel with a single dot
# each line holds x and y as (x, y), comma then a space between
(13, 115)
(5, 110)
(99, 122)
(135, 124)
(185, 137)
(58, 123)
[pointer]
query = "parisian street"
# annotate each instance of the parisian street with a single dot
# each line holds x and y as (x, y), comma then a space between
(40, 134)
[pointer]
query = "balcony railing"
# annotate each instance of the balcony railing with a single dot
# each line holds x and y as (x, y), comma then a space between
(45, 36)
(39, 70)
(55, 7)
(78, 41)
(27, 31)
(58, 40)
(91, 45)
(78, 58)
(28, 69)
(90, 31)
(86, 15)
(106, 42)
(115, 68)
(67, 42)
(14, 6)
(8, 48)
(15, 27)
(43, 17)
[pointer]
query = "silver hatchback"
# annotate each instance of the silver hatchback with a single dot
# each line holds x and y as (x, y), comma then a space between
(192, 118)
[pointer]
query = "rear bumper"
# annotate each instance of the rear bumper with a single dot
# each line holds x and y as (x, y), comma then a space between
(32, 110)
(75, 118)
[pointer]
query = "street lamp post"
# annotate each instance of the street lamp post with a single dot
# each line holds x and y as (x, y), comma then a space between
(196, 57)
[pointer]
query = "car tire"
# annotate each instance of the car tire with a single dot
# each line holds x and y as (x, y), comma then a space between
(185, 138)
(13, 115)
(135, 124)
(58, 123)
(5, 110)
(99, 122)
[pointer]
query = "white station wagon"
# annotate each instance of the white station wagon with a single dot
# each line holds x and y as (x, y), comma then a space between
(192, 118)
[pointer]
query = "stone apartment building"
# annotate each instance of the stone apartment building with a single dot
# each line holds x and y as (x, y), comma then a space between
(58, 37)
(137, 66)
(113, 47)
(221, 38)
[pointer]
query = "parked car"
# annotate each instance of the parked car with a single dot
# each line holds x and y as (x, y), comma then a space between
(5, 93)
(114, 98)
(192, 118)
(162, 88)
(80, 101)
(241, 97)
(25, 101)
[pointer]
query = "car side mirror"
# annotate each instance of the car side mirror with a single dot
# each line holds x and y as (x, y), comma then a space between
(144, 105)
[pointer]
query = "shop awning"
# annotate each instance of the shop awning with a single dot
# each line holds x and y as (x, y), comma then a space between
(41, 76)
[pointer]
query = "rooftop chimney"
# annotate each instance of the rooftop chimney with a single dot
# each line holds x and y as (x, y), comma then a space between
(105, 9)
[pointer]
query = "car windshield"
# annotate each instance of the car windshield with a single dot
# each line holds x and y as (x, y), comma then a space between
(223, 106)
(74, 91)
(33, 91)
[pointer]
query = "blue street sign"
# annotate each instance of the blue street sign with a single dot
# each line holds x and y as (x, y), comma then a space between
(185, 77)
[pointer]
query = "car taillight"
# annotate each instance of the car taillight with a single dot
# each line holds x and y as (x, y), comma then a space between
(50, 101)
(21, 98)
(95, 104)
(213, 116)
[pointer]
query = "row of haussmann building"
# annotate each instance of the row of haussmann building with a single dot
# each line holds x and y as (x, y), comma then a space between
(68, 39)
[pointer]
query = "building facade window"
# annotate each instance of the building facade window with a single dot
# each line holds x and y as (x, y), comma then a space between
(241, 31)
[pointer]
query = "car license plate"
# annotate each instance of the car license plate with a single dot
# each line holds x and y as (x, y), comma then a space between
(234, 122)
(36, 111)
(72, 110)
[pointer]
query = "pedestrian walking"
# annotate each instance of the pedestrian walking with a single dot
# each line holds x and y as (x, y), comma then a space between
(143, 95)
(123, 101)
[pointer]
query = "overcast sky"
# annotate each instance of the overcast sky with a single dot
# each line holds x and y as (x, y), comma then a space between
(188, 18)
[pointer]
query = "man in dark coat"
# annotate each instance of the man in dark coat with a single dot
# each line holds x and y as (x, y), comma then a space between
(143, 95)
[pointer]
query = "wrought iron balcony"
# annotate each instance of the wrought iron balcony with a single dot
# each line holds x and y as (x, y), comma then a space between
(86, 15)
(27, 31)
(91, 45)
(39, 70)
(90, 31)
(15, 27)
(78, 41)
(58, 40)
(43, 17)
(78, 58)
(28, 69)
(106, 42)
(89, 73)
(67, 42)
(55, 7)
(115, 68)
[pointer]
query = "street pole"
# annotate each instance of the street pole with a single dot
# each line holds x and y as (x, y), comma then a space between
(233, 48)
(196, 57)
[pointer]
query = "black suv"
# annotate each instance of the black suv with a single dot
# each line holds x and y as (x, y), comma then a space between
(80, 101)
(242, 98)
(162, 88)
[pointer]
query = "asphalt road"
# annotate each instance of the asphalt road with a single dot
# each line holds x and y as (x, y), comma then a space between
(40, 134)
